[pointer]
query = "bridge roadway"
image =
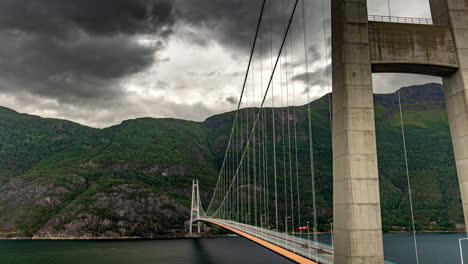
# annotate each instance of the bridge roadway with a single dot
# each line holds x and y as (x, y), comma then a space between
(292, 247)
(295, 248)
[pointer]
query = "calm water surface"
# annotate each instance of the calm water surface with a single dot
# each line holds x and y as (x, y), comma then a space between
(433, 248)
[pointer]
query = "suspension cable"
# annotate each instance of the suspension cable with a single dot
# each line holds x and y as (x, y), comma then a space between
(389, 9)
(330, 113)
(240, 98)
(295, 147)
(241, 164)
(228, 169)
(262, 208)
(254, 155)
(283, 139)
(247, 179)
(311, 151)
(291, 59)
(237, 180)
(408, 178)
(274, 136)
(325, 48)
(289, 136)
(266, 92)
(265, 135)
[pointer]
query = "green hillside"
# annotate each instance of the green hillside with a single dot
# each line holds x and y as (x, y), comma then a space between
(61, 179)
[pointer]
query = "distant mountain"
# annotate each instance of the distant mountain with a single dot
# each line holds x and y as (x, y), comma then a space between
(59, 179)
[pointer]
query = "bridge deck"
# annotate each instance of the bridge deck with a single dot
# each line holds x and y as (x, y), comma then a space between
(295, 248)
(292, 247)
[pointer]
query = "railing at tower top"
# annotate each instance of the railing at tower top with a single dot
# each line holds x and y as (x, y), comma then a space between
(405, 20)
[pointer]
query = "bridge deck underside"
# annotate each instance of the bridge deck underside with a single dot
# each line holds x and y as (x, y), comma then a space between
(411, 48)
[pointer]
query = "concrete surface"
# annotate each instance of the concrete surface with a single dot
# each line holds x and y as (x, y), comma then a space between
(454, 13)
(411, 48)
(356, 201)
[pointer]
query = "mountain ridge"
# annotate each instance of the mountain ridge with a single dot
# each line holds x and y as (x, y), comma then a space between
(63, 179)
(414, 88)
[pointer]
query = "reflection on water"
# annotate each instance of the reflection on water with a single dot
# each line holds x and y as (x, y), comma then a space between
(440, 248)
(194, 251)
(433, 248)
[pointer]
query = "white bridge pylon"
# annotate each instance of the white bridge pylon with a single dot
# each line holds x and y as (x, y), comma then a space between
(195, 208)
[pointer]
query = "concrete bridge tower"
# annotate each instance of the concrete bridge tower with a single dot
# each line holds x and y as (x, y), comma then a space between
(195, 207)
(359, 48)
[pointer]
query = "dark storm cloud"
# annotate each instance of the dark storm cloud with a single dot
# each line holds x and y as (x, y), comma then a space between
(72, 58)
(68, 49)
(72, 55)
(71, 50)
(234, 21)
(86, 68)
(97, 17)
(231, 100)
(316, 78)
(314, 53)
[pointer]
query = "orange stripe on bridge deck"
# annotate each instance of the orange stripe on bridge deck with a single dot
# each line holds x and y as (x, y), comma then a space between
(283, 252)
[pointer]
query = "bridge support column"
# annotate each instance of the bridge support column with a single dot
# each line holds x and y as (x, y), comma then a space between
(455, 14)
(195, 207)
(356, 199)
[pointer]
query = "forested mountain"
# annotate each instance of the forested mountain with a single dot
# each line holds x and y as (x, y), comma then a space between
(62, 179)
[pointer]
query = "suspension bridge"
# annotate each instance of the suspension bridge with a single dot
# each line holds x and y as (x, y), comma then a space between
(261, 186)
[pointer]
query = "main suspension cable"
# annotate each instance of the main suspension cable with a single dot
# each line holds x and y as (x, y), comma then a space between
(266, 92)
(240, 100)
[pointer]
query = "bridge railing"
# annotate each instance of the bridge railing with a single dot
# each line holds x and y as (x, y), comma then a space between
(281, 240)
(291, 242)
(405, 20)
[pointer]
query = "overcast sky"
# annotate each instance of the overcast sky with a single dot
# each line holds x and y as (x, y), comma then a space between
(98, 62)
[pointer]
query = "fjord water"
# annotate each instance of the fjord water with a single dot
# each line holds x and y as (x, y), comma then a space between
(435, 248)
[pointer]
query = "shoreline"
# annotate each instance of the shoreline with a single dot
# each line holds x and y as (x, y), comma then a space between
(185, 236)
(161, 237)
(425, 232)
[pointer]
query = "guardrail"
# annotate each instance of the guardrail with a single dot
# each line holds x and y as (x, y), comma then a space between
(405, 20)
(289, 242)
(283, 240)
